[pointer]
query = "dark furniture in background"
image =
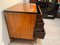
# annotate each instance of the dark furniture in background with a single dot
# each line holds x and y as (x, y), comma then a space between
(49, 9)
(52, 1)
(58, 14)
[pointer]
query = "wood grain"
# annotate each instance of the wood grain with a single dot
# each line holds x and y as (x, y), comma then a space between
(21, 25)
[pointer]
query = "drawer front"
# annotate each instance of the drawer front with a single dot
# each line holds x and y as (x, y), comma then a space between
(39, 18)
(39, 34)
(39, 26)
(38, 30)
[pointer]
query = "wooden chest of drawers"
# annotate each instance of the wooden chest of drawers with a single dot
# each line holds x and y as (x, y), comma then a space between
(23, 22)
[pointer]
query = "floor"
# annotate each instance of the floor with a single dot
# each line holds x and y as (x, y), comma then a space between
(52, 37)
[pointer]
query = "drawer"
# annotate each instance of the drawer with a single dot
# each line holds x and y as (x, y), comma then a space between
(39, 25)
(39, 18)
(39, 30)
(39, 34)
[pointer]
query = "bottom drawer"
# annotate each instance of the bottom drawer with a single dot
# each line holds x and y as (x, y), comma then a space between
(40, 35)
(39, 26)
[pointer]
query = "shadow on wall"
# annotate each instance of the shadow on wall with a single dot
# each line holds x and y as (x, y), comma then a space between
(5, 36)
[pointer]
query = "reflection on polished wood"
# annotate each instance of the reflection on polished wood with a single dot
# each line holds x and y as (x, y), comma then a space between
(23, 8)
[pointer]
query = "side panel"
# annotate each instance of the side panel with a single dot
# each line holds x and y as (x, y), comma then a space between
(20, 25)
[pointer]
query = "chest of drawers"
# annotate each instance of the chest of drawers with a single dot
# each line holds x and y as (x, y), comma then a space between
(23, 22)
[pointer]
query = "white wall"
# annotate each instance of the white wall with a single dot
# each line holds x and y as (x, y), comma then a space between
(4, 37)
